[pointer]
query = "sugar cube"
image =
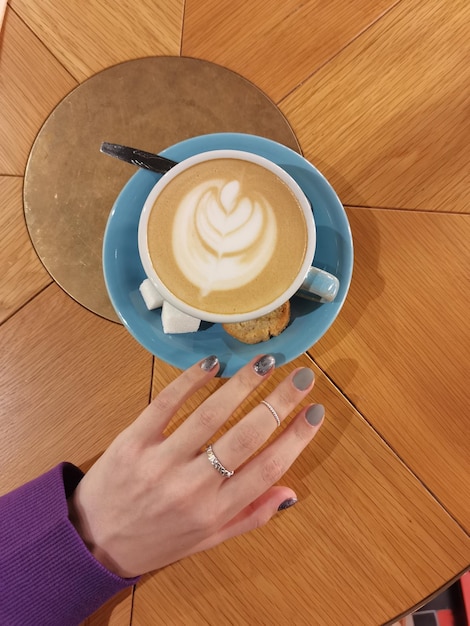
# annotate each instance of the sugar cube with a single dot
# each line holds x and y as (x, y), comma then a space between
(174, 321)
(150, 294)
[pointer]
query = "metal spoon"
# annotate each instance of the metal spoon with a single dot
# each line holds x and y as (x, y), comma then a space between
(146, 160)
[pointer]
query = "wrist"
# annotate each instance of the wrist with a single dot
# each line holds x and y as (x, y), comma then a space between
(79, 520)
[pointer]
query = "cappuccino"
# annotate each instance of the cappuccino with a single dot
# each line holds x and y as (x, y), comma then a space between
(227, 236)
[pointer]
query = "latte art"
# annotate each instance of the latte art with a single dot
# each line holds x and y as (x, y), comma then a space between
(226, 236)
(223, 236)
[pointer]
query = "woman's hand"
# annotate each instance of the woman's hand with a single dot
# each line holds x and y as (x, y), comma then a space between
(151, 500)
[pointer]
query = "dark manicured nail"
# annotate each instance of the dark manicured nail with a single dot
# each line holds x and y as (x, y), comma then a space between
(315, 414)
(287, 503)
(209, 363)
(303, 379)
(264, 364)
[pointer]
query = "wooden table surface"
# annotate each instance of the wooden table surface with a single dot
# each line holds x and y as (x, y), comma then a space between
(377, 94)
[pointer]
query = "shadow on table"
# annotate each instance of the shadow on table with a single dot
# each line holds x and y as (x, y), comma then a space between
(340, 415)
(367, 283)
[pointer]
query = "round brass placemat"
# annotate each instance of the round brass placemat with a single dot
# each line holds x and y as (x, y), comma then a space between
(149, 103)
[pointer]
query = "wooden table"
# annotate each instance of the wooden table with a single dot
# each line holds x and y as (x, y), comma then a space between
(377, 93)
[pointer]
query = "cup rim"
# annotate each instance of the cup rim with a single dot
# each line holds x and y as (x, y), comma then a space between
(165, 179)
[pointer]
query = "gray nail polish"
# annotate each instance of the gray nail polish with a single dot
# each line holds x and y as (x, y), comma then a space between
(209, 363)
(264, 364)
(287, 503)
(303, 379)
(315, 414)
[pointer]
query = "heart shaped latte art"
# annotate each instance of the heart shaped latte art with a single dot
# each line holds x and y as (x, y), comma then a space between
(223, 237)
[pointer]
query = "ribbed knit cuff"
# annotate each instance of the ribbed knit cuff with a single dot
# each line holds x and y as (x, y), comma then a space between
(47, 575)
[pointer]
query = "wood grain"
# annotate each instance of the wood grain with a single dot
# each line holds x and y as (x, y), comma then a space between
(376, 92)
(88, 40)
(70, 383)
(32, 82)
(277, 45)
(387, 120)
(21, 273)
(365, 540)
(399, 349)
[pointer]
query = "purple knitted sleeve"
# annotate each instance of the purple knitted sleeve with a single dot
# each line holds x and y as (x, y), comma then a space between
(47, 575)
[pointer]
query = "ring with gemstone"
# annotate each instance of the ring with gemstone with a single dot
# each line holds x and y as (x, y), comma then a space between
(214, 461)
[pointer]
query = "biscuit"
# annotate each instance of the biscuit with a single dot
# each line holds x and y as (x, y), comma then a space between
(261, 328)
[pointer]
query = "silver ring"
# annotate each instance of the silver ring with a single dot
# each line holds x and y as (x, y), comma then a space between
(273, 411)
(214, 461)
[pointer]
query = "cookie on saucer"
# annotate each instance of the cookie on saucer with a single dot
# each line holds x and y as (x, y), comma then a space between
(261, 328)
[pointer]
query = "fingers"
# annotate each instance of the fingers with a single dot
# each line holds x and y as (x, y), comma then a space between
(250, 433)
(153, 420)
(212, 414)
(254, 515)
(265, 469)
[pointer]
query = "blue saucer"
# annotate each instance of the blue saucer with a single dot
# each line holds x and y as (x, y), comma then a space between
(124, 273)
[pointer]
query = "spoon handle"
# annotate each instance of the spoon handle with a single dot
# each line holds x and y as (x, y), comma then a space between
(146, 160)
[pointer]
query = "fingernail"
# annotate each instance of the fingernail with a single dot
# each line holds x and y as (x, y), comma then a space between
(315, 414)
(209, 363)
(264, 364)
(303, 379)
(287, 503)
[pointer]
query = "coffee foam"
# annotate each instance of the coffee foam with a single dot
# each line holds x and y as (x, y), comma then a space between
(226, 236)
(223, 238)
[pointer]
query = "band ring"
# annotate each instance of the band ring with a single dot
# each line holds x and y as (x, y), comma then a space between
(273, 411)
(214, 461)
